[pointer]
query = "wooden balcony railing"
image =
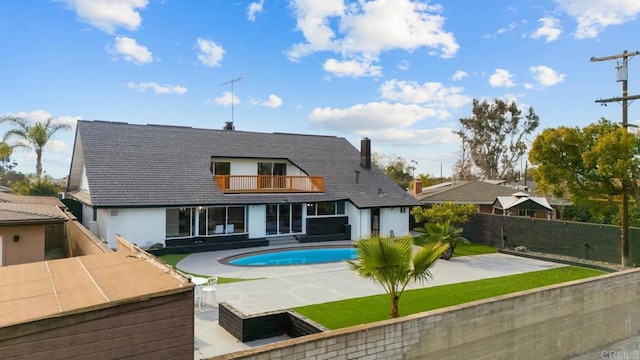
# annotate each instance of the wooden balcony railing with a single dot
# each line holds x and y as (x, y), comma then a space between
(269, 184)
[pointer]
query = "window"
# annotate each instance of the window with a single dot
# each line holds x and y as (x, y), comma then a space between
(221, 220)
(271, 173)
(180, 222)
(222, 168)
(327, 208)
(272, 169)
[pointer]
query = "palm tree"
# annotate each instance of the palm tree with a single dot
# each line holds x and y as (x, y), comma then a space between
(446, 233)
(34, 137)
(393, 264)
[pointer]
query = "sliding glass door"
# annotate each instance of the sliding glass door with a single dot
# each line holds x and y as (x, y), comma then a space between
(283, 219)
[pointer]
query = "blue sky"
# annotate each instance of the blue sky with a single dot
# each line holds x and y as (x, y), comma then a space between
(400, 72)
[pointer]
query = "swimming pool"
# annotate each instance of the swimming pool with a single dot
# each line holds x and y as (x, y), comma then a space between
(303, 256)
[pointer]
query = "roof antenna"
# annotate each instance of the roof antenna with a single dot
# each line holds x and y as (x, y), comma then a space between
(232, 81)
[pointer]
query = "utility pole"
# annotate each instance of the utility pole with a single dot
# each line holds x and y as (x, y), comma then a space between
(232, 81)
(622, 76)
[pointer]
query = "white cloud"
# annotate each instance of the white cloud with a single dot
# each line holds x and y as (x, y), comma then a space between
(361, 118)
(129, 49)
(593, 16)
(413, 137)
(432, 94)
(210, 53)
(41, 115)
(404, 65)
(501, 78)
(546, 76)
(528, 86)
(158, 89)
(351, 68)
(273, 102)
(226, 99)
(549, 29)
(253, 9)
(364, 29)
(501, 31)
(459, 75)
(108, 15)
(510, 28)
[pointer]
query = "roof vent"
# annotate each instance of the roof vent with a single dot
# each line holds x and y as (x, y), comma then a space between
(357, 171)
(228, 125)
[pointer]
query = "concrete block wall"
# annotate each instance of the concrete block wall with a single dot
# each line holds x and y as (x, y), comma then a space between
(555, 322)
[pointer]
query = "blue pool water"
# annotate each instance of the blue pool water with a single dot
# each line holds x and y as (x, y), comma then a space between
(297, 257)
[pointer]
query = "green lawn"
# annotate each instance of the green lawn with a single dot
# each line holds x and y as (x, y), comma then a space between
(340, 314)
(173, 259)
(463, 249)
(473, 249)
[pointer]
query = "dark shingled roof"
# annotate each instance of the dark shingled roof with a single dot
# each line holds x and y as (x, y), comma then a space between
(151, 165)
(471, 192)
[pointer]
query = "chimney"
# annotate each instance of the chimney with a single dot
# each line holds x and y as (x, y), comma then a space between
(228, 125)
(417, 187)
(365, 153)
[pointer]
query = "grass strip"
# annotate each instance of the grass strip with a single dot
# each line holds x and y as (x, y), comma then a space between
(350, 312)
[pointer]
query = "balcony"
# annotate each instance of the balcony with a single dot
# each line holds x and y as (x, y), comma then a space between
(269, 184)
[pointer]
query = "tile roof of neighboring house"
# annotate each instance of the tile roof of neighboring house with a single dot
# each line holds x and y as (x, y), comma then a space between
(152, 165)
(11, 213)
(27, 199)
(470, 192)
(40, 290)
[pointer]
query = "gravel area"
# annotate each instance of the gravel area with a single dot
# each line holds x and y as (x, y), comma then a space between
(567, 259)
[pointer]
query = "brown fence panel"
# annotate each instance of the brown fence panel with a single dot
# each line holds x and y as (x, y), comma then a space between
(82, 242)
(54, 236)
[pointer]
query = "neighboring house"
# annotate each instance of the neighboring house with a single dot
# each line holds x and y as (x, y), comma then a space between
(521, 204)
(107, 305)
(226, 188)
(27, 230)
(483, 194)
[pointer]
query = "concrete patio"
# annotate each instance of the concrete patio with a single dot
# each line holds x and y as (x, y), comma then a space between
(285, 287)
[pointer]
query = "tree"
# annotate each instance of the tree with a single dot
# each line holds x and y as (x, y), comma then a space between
(456, 214)
(393, 264)
(41, 187)
(445, 233)
(463, 168)
(496, 136)
(6, 164)
(34, 137)
(395, 167)
(600, 160)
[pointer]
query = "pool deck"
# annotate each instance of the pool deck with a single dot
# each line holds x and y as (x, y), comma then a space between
(285, 287)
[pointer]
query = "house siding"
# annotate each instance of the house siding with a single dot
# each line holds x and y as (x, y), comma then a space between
(144, 227)
(29, 248)
(393, 219)
(256, 221)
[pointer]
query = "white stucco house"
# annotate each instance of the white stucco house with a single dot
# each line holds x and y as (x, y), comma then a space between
(217, 189)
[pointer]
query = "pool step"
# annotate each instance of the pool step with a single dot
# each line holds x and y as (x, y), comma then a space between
(284, 240)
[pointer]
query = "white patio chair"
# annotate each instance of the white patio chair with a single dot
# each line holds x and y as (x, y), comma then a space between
(209, 288)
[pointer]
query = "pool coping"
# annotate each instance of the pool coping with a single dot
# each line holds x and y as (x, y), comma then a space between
(226, 260)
